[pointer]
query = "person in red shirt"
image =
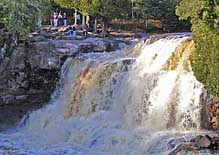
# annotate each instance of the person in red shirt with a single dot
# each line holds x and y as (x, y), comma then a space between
(55, 19)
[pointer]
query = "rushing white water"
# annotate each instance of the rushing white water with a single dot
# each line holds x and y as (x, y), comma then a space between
(120, 103)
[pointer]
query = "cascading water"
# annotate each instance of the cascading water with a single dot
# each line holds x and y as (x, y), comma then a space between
(132, 102)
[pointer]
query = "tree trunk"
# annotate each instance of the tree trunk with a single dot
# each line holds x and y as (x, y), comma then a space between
(132, 10)
(145, 21)
(75, 14)
(83, 21)
(104, 28)
(95, 26)
(87, 20)
(146, 24)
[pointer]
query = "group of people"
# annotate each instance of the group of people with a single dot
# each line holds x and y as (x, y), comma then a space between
(57, 19)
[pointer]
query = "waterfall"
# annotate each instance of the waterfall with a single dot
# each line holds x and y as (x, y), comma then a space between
(124, 102)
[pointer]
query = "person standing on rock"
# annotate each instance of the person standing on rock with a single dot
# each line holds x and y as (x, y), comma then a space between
(59, 19)
(78, 18)
(40, 23)
(55, 19)
(85, 33)
(65, 20)
(72, 31)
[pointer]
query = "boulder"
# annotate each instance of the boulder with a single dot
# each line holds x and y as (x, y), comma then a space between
(202, 141)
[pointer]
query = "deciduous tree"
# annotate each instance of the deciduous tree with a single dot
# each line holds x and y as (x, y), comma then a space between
(18, 18)
(204, 17)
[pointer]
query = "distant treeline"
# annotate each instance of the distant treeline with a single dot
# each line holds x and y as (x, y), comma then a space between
(20, 17)
(155, 14)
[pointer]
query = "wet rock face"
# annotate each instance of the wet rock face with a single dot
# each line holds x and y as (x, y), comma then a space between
(209, 112)
(212, 109)
(204, 99)
(24, 85)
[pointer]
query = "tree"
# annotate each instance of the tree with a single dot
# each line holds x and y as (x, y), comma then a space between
(204, 17)
(20, 17)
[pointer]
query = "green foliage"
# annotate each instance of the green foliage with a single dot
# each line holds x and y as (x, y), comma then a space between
(20, 17)
(103, 8)
(108, 9)
(72, 4)
(84, 6)
(162, 10)
(204, 17)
